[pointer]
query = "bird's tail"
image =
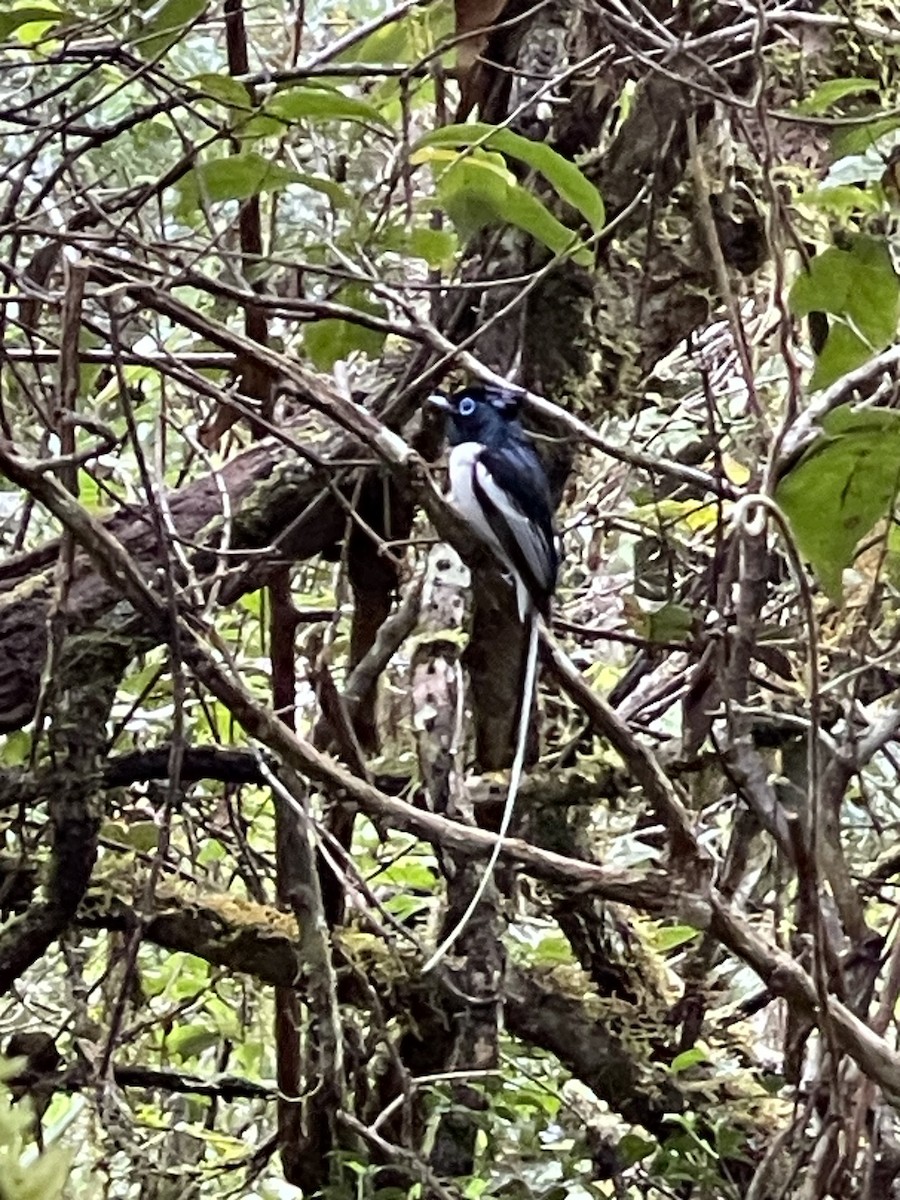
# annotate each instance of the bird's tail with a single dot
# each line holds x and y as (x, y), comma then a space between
(515, 777)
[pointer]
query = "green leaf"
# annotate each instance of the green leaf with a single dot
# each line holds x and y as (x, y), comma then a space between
(526, 211)
(156, 35)
(552, 949)
(243, 175)
(473, 192)
(671, 623)
(568, 180)
(321, 104)
(632, 1148)
(843, 351)
(844, 483)
(830, 93)
(143, 836)
(15, 748)
(226, 1020)
(224, 90)
(857, 139)
(332, 339)
(43, 18)
(858, 286)
(391, 44)
(840, 197)
(671, 936)
(189, 1041)
(436, 246)
(477, 190)
(688, 1058)
(408, 873)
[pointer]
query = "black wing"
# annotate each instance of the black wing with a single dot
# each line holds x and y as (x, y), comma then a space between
(511, 486)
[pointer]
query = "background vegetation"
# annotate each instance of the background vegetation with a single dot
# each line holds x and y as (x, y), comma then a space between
(258, 686)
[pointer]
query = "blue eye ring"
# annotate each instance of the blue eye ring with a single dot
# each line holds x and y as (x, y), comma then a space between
(466, 406)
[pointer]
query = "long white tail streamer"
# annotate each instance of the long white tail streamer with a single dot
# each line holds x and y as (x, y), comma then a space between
(515, 777)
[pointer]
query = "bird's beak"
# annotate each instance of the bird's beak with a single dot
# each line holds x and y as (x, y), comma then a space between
(439, 400)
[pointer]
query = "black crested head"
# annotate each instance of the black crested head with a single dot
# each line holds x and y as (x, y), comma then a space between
(482, 413)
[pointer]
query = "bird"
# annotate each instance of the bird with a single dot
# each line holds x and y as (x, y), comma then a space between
(500, 488)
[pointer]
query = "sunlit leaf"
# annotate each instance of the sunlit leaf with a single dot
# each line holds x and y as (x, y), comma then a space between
(191, 1040)
(842, 198)
(477, 190)
(689, 1058)
(569, 181)
(552, 949)
(844, 483)
(670, 937)
(15, 748)
(392, 43)
(30, 23)
(831, 92)
(321, 104)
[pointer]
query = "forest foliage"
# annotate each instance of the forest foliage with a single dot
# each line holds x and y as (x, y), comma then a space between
(259, 684)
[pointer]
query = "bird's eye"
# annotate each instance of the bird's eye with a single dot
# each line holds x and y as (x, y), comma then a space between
(466, 406)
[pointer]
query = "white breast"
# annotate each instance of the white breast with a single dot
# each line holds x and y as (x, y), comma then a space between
(463, 461)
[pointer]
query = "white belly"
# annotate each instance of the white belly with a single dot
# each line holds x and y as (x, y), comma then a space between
(462, 493)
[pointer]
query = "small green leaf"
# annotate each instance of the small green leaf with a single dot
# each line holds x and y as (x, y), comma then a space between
(15, 748)
(436, 246)
(321, 104)
(568, 180)
(669, 937)
(243, 175)
(526, 211)
(830, 93)
(224, 90)
(688, 1058)
(842, 198)
(478, 189)
(409, 873)
(857, 139)
(671, 623)
(226, 1020)
(332, 339)
(157, 34)
(632, 1148)
(552, 950)
(43, 18)
(845, 482)
(860, 287)
(143, 836)
(189, 1041)
(392, 43)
